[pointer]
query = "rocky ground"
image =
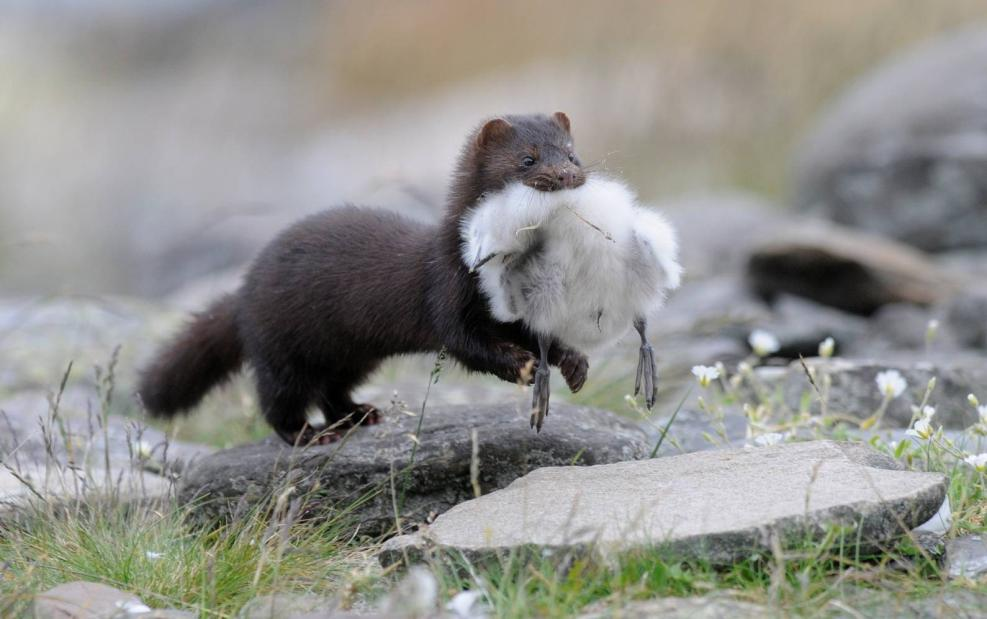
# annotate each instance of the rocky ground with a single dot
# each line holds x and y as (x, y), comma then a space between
(817, 429)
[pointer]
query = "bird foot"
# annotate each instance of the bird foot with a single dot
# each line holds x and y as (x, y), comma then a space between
(539, 397)
(647, 375)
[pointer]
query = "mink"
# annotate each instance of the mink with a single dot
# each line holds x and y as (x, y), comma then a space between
(337, 293)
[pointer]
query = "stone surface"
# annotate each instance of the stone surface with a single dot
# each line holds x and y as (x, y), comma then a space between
(845, 269)
(743, 220)
(90, 600)
(966, 317)
(966, 556)
(363, 464)
(854, 390)
(719, 506)
(705, 607)
(288, 605)
(904, 152)
(856, 602)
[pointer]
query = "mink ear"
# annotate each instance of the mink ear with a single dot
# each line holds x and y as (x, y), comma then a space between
(492, 131)
(563, 120)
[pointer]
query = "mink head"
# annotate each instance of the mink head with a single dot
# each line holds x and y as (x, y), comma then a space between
(535, 150)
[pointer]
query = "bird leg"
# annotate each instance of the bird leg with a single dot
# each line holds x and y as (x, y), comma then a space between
(647, 367)
(540, 391)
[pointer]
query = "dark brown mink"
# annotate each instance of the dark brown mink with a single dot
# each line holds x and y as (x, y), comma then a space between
(340, 291)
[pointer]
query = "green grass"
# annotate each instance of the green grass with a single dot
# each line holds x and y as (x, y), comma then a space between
(157, 553)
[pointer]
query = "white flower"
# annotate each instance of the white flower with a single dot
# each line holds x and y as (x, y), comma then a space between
(142, 449)
(891, 383)
(827, 347)
(150, 554)
(921, 430)
(972, 399)
(982, 411)
(978, 462)
(133, 607)
(705, 374)
(763, 343)
(928, 412)
(771, 438)
(464, 605)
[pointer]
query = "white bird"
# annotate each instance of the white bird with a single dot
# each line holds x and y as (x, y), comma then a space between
(578, 266)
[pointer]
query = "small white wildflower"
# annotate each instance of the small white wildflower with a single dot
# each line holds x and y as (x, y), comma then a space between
(921, 430)
(771, 438)
(827, 347)
(982, 412)
(978, 462)
(464, 605)
(142, 449)
(972, 399)
(745, 368)
(891, 383)
(763, 343)
(153, 556)
(705, 374)
(928, 412)
(133, 607)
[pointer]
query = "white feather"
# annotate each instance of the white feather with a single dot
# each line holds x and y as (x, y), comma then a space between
(579, 265)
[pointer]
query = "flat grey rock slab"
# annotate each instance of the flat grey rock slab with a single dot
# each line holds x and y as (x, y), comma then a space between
(966, 557)
(719, 506)
(856, 602)
(854, 390)
(91, 600)
(363, 466)
(699, 607)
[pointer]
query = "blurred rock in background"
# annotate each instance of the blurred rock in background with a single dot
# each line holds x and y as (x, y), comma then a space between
(904, 152)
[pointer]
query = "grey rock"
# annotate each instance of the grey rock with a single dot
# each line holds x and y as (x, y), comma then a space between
(714, 606)
(966, 556)
(904, 152)
(742, 221)
(688, 431)
(856, 602)
(901, 327)
(849, 270)
(966, 316)
(90, 600)
(363, 465)
(720, 506)
(288, 605)
(854, 391)
(800, 325)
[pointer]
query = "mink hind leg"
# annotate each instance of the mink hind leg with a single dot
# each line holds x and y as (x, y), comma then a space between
(335, 400)
(285, 397)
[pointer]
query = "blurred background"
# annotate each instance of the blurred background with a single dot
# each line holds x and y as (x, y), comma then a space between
(148, 149)
(144, 144)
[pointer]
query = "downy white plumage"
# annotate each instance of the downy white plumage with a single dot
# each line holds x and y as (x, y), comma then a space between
(578, 266)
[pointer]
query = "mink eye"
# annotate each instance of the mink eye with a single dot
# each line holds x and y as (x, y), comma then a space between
(528, 161)
(572, 157)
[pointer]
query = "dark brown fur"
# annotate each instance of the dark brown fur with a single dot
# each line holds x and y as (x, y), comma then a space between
(340, 291)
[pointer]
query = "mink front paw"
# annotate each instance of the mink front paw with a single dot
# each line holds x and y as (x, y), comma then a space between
(516, 365)
(574, 367)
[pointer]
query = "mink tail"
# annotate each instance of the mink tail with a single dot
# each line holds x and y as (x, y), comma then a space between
(205, 353)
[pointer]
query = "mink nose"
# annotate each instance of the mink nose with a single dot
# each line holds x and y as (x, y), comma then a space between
(567, 177)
